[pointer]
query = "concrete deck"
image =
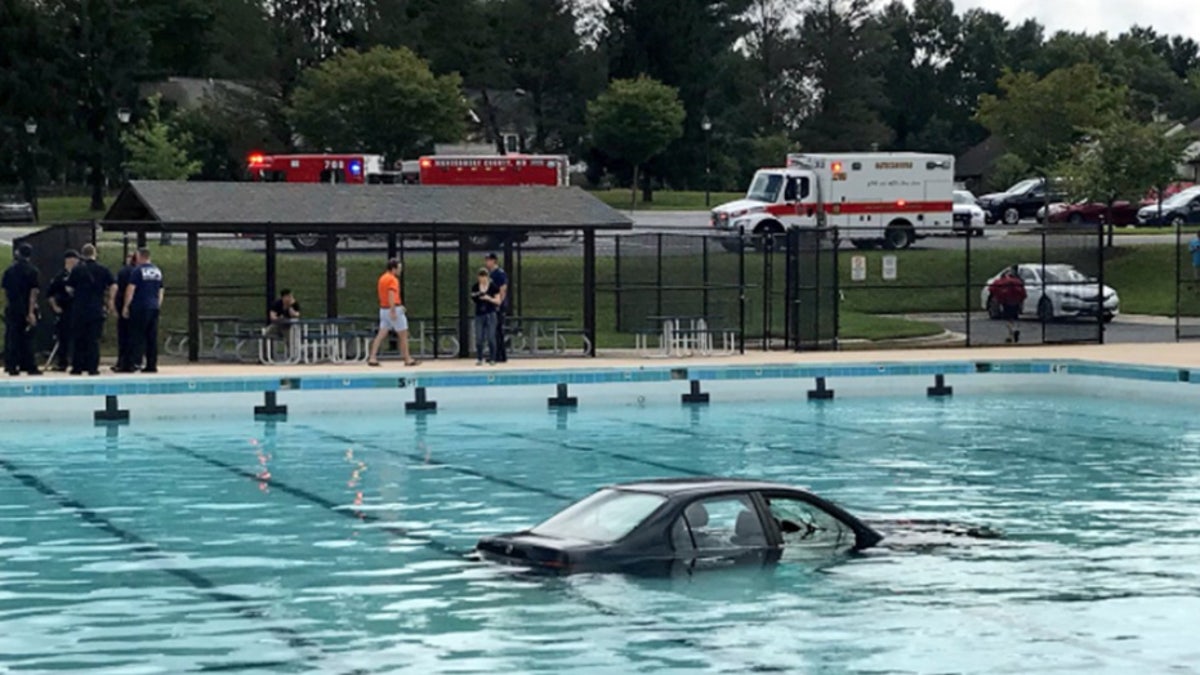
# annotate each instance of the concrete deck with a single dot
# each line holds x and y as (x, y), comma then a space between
(1172, 354)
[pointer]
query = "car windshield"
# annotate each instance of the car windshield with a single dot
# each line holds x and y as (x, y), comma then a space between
(1024, 186)
(1180, 198)
(604, 517)
(964, 198)
(765, 187)
(1063, 275)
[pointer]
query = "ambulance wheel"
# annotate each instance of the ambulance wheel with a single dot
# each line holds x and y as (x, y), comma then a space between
(767, 236)
(898, 236)
(310, 242)
(863, 244)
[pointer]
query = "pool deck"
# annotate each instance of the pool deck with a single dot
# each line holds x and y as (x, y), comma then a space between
(1172, 354)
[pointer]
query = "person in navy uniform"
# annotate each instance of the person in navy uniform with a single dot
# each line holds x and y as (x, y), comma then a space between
(123, 365)
(60, 303)
(21, 286)
(141, 306)
(93, 289)
(500, 280)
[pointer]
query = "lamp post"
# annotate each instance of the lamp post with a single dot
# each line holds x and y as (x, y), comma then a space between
(706, 125)
(31, 127)
(123, 116)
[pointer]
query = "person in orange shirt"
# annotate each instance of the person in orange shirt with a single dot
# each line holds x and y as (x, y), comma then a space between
(391, 314)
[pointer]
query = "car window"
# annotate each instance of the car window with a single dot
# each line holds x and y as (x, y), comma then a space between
(718, 523)
(1062, 275)
(805, 525)
(789, 192)
(765, 187)
(605, 516)
(1023, 187)
(1027, 275)
(964, 198)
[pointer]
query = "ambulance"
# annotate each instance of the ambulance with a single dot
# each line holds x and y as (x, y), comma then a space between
(878, 198)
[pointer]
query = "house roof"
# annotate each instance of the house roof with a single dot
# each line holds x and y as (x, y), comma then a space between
(188, 92)
(978, 159)
(349, 209)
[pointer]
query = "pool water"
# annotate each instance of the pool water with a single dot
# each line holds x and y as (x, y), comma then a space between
(335, 544)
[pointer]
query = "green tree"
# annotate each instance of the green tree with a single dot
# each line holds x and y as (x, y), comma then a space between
(1040, 120)
(155, 150)
(1123, 160)
(635, 120)
(225, 128)
(384, 100)
(1006, 172)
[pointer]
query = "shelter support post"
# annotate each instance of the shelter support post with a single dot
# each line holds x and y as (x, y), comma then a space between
(464, 279)
(391, 245)
(193, 296)
(141, 239)
(589, 289)
(271, 269)
(331, 274)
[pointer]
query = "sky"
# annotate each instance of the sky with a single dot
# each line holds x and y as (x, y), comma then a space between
(1172, 17)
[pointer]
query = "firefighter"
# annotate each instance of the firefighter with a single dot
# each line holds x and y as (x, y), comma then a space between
(60, 303)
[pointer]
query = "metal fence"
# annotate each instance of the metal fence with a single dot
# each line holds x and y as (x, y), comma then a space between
(836, 288)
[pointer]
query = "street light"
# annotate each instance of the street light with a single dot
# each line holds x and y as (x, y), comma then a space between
(31, 127)
(123, 115)
(706, 125)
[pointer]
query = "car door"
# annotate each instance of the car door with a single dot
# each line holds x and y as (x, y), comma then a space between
(1193, 211)
(1031, 201)
(1031, 277)
(806, 529)
(720, 531)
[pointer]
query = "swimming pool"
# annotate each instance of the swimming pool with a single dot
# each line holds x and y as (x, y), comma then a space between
(334, 543)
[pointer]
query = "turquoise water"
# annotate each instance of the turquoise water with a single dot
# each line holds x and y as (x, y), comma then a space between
(164, 549)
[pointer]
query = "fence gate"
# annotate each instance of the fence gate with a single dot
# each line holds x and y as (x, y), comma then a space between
(811, 301)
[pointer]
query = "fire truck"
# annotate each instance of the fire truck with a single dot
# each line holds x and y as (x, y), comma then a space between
(889, 199)
(515, 170)
(494, 170)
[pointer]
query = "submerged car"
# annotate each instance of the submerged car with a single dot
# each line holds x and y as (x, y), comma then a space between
(1056, 291)
(679, 524)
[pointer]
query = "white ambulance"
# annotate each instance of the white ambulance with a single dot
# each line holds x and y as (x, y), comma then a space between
(885, 198)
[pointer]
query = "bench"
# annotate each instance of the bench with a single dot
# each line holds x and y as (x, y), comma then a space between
(238, 339)
(560, 339)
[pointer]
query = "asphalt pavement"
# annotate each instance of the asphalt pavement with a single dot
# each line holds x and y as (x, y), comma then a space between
(1124, 328)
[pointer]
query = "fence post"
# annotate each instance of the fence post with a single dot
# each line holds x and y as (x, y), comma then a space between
(837, 289)
(436, 314)
(1178, 278)
(1041, 319)
(704, 273)
(742, 289)
(967, 285)
(1100, 280)
(659, 277)
(617, 278)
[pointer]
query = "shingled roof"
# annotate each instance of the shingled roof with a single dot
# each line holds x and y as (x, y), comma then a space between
(298, 207)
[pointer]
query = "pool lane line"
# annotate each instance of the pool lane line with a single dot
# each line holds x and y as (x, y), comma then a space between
(568, 445)
(313, 498)
(238, 604)
(421, 459)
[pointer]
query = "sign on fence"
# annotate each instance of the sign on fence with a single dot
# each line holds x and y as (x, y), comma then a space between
(889, 268)
(858, 268)
(341, 277)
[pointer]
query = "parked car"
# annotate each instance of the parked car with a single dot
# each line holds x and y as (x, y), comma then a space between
(1181, 209)
(969, 216)
(1020, 201)
(680, 524)
(1086, 211)
(1056, 291)
(13, 209)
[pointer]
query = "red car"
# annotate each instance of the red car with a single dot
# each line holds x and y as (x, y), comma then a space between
(1123, 213)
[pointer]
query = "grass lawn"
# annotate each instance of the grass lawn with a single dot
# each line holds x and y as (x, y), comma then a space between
(666, 200)
(859, 326)
(66, 209)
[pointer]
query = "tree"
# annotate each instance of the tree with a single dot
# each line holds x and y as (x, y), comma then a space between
(384, 100)
(841, 49)
(156, 151)
(1123, 160)
(1040, 120)
(224, 129)
(635, 120)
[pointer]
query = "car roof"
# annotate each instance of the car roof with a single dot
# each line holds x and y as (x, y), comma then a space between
(700, 484)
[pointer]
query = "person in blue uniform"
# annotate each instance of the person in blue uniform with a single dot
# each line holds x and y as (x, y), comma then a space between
(93, 289)
(500, 280)
(21, 286)
(123, 365)
(60, 303)
(141, 306)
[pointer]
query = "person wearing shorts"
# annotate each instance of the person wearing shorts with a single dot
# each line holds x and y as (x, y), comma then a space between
(391, 314)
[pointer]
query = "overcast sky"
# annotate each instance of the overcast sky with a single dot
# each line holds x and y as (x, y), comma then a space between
(1173, 17)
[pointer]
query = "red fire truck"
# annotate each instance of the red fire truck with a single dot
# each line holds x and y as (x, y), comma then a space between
(494, 170)
(340, 168)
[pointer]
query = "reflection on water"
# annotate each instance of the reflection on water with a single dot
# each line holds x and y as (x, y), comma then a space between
(314, 554)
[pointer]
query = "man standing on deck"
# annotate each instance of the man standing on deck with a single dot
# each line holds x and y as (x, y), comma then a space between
(391, 314)
(93, 291)
(141, 306)
(60, 302)
(123, 365)
(500, 279)
(22, 286)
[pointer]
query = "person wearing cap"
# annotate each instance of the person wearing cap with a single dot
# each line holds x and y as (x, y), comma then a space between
(500, 279)
(60, 304)
(93, 290)
(21, 286)
(391, 314)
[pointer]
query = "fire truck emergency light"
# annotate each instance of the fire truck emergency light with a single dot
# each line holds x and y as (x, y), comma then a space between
(355, 168)
(837, 167)
(257, 158)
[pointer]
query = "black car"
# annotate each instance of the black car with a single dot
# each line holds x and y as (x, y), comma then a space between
(1178, 210)
(15, 210)
(1020, 201)
(663, 526)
